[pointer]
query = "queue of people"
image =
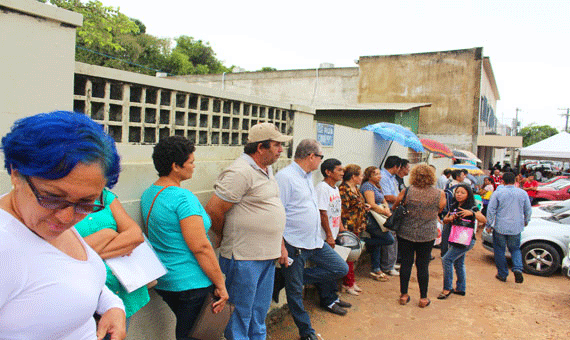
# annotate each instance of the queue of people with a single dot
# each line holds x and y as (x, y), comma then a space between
(62, 214)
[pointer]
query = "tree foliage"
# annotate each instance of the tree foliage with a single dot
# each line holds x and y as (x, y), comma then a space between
(535, 133)
(267, 69)
(110, 38)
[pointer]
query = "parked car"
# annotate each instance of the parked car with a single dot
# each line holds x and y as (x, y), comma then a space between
(566, 266)
(553, 180)
(549, 208)
(556, 191)
(544, 243)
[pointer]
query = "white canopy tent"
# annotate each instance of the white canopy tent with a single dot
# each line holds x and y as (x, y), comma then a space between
(556, 147)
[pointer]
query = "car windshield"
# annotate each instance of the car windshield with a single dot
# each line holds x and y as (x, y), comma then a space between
(559, 184)
(563, 218)
(557, 207)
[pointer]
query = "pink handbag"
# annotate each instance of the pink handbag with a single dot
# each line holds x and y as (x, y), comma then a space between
(461, 233)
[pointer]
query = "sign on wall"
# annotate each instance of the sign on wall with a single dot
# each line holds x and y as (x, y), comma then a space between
(325, 134)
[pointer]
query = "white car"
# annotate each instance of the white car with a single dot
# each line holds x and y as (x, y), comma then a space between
(566, 266)
(544, 243)
(549, 208)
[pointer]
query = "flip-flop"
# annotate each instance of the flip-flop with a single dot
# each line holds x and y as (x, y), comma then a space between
(404, 300)
(458, 292)
(421, 305)
(443, 296)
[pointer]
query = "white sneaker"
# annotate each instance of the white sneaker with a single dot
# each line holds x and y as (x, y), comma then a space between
(397, 266)
(393, 272)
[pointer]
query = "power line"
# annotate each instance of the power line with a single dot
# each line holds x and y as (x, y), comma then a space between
(115, 58)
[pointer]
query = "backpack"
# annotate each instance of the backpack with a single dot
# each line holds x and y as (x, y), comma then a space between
(449, 197)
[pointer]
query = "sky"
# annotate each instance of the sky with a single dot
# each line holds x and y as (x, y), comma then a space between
(526, 41)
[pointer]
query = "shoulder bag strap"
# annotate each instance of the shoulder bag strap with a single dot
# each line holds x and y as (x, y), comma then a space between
(404, 198)
(149, 210)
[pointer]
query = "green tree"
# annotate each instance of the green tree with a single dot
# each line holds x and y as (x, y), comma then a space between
(101, 24)
(200, 54)
(110, 38)
(535, 133)
(267, 69)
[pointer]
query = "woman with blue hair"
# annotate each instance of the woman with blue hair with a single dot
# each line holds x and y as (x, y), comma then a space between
(52, 282)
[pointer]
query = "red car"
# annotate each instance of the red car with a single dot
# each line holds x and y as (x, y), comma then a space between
(556, 191)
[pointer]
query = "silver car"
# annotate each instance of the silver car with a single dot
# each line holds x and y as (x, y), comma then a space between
(566, 266)
(544, 243)
(549, 208)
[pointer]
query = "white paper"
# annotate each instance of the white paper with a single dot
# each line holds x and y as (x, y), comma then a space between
(342, 251)
(137, 269)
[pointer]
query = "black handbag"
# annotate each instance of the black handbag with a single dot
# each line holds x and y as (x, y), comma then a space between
(377, 236)
(394, 222)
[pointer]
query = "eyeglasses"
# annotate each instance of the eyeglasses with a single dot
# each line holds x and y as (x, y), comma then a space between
(320, 156)
(56, 203)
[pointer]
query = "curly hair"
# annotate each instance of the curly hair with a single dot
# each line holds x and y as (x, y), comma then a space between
(368, 173)
(171, 150)
(422, 176)
(349, 171)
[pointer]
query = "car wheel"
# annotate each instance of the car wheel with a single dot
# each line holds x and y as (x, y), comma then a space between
(540, 258)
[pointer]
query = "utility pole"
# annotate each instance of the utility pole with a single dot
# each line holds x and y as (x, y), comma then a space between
(566, 114)
(517, 121)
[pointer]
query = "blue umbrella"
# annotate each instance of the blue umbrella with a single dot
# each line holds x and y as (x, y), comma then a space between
(398, 133)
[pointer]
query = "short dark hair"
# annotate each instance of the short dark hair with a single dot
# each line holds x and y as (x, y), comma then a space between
(447, 172)
(464, 171)
(329, 164)
(251, 148)
(50, 145)
(171, 150)
(456, 173)
(391, 162)
(403, 162)
(509, 178)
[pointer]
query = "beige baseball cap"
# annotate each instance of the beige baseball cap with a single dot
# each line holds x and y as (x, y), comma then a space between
(266, 131)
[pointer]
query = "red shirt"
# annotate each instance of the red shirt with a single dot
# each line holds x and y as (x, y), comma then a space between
(496, 180)
(527, 184)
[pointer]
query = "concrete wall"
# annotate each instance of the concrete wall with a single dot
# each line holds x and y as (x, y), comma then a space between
(37, 51)
(449, 80)
(306, 87)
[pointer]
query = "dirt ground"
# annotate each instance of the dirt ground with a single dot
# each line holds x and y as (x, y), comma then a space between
(539, 308)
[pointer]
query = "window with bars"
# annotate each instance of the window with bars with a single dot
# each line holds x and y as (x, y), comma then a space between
(142, 114)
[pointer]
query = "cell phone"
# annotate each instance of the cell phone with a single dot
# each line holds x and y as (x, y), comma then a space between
(290, 261)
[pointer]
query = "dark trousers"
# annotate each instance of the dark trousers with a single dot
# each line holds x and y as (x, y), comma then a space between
(422, 253)
(185, 305)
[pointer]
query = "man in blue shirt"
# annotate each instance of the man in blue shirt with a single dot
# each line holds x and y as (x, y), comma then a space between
(508, 213)
(389, 186)
(303, 240)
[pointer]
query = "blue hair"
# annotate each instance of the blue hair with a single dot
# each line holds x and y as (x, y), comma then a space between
(49, 145)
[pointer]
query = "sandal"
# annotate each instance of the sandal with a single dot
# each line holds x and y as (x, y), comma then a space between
(458, 292)
(379, 276)
(404, 299)
(443, 295)
(423, 303)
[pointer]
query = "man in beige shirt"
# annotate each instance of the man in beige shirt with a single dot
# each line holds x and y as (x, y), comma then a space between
(249, 218)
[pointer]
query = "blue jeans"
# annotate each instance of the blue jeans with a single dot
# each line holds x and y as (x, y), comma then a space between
(389, 255)
(329, 268)
(186, 306)
(455, 257)
(513, 243)
(250, 286)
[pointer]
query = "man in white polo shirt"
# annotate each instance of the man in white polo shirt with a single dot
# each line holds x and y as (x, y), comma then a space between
(248, 216)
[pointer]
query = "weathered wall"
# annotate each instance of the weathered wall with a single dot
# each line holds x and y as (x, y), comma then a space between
(449, 80)
(306, 87)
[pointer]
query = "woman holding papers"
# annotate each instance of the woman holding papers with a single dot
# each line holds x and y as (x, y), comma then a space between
(51, 281)
(111, 232)
(177, 226)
